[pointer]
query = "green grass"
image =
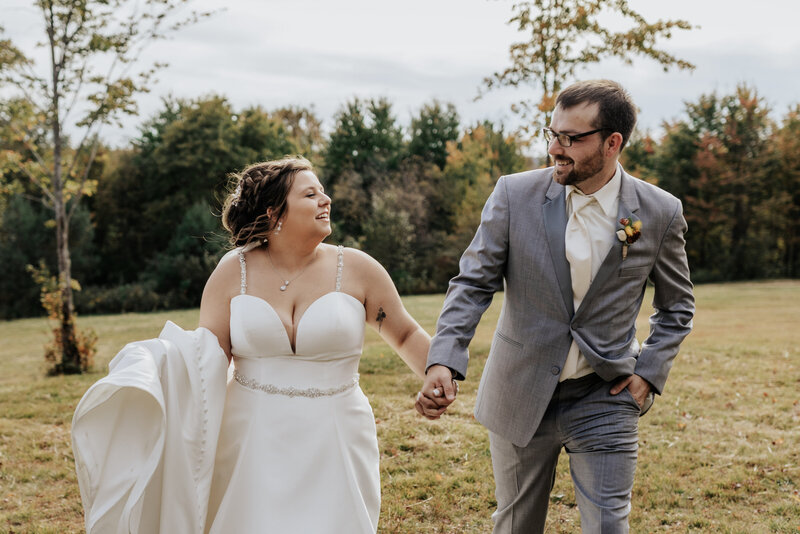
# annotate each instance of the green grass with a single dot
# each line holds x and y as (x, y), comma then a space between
(720, 451)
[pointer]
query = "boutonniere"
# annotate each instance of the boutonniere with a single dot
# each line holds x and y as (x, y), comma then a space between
(629, 233)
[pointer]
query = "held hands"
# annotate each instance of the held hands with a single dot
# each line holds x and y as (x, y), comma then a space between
(438, 392)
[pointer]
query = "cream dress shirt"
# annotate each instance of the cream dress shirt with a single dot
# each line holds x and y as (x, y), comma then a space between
(600, 218)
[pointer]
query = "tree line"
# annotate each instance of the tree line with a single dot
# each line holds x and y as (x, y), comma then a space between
(71, 89)
(737, 172)
(410, 195)
(148, 235)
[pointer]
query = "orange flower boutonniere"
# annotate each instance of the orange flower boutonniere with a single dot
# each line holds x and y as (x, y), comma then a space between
(628, 234)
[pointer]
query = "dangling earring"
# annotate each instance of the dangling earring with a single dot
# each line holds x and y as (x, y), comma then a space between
(278, 228)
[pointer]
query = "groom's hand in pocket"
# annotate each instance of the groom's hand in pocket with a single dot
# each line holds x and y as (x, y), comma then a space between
(638, 386)
(438, 392)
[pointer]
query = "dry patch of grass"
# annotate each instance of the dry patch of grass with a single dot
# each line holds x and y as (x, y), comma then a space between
(720, 451)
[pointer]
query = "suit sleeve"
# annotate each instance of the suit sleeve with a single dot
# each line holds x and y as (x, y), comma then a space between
(481, 272)
(673, 302)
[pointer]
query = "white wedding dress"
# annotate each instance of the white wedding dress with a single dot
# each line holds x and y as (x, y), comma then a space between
(292, 445)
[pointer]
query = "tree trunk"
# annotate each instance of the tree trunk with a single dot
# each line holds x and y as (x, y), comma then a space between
(70, 356)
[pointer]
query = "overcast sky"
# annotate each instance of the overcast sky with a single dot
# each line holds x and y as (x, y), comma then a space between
(322, 53)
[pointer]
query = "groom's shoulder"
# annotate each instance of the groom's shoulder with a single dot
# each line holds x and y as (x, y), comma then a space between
(528, 180)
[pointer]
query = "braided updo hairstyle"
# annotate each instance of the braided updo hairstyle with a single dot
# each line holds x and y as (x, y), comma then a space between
(259, 187)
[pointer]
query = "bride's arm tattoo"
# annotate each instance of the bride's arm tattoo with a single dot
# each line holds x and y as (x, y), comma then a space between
(381, 316)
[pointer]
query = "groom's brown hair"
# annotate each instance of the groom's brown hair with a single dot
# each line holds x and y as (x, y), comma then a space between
(616, 113)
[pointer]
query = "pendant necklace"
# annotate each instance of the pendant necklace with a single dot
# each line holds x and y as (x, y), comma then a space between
(286, 282)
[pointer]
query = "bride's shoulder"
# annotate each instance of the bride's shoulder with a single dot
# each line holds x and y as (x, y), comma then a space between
(228, 270)
(230, 260)
(359, 262)
(363, 275)
(232, 253)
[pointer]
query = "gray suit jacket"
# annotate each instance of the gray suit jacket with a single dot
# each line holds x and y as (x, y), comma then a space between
(519, 246)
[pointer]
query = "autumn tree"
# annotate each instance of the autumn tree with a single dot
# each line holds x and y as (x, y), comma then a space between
(87, 81)
(566, 35)
(474, 163)
(304, 129)
(732, 170)
(483, 154)
(786, 148)
(733, 161)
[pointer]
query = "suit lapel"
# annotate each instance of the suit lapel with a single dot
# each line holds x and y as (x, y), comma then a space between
(628, 207)
(555, 223)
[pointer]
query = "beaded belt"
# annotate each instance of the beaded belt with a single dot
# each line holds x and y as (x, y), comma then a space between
(293, 391)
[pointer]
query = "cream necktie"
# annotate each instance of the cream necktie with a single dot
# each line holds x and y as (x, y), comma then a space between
(579, 247)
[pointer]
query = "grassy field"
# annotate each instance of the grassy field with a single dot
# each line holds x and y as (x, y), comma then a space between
(720, 451)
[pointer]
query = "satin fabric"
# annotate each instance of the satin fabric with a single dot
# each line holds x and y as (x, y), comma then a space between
(144, 437)
(163, 445)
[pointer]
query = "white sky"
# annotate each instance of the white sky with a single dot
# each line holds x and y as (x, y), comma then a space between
(322, 53)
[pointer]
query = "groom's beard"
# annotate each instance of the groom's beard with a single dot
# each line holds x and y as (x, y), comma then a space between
(581, 170)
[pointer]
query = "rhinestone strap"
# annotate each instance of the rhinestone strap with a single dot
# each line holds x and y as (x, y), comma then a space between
(293, 391)
(244, 272)
(339, 269)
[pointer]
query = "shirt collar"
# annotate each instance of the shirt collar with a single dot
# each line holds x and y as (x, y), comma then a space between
(606, 196)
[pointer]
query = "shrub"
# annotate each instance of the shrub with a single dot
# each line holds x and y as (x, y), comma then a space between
(51, 299)
(135, 297)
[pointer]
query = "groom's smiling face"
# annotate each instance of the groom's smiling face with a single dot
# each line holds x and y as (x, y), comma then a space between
(585, 159)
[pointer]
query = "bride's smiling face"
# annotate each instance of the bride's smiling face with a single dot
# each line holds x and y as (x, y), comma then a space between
(308, 208)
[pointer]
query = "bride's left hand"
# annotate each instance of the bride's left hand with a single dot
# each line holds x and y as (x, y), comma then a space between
(438, 392)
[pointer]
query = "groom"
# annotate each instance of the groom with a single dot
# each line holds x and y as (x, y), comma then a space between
(573, 246)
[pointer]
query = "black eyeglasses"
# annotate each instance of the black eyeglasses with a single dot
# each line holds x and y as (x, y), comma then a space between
(566, 140)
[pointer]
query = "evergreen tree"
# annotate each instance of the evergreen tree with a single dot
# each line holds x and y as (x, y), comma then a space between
(430, 132)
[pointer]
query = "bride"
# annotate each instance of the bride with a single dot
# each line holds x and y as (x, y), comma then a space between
(288, 445)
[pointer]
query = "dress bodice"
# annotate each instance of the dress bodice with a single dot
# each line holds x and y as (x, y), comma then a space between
(332, 327)
(330, 332)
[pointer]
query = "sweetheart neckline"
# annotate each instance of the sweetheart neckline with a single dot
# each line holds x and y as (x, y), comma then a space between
(300, 320)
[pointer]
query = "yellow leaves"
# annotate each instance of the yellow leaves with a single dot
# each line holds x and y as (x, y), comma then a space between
(75, 188)
(564, 36)
(548, 102)
(8, 158)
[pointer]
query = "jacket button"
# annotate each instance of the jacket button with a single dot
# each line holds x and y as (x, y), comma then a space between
(555, 369)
